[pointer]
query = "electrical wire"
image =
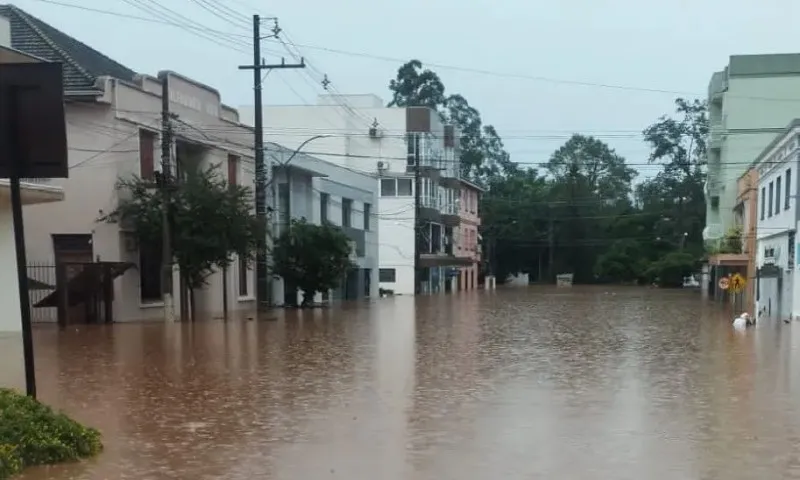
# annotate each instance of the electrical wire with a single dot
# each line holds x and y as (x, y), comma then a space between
(443, 66)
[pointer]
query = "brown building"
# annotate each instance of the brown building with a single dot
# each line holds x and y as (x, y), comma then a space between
(743, 262)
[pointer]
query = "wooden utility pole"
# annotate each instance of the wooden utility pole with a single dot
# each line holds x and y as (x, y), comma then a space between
(417, 219)
(263, 293)
(166, 186)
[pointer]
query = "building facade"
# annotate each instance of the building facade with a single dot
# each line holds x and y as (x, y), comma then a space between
(749, 103)
(778, 218)
(360, 133)
(323, 192)
(468, 241)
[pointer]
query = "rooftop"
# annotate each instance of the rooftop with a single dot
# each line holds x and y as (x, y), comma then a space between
(82, 64)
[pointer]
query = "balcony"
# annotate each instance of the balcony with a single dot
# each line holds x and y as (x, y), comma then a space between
(718, 86)
(429, 211)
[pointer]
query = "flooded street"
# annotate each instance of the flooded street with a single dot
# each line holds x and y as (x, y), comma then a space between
(533, 383)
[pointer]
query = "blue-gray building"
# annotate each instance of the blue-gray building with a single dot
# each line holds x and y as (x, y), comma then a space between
(307, 187)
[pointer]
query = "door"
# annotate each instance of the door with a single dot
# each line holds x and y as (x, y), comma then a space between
(74, 252)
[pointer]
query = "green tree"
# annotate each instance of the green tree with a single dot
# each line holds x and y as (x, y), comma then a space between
(482, 151)
(669, 270)
(622, 262)
(679, 144)
(416, 87)
(210, 221)
(313, 258)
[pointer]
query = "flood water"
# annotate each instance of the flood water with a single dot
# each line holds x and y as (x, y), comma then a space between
(582, 383)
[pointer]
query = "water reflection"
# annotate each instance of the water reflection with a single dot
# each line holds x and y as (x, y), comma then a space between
(586, 383)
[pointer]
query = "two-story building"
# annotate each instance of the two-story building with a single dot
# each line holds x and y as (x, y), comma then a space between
(304, 186)
(394, 144)
(113, 118)
(778, 217)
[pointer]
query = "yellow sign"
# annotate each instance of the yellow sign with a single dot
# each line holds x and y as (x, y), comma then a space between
(738, 283)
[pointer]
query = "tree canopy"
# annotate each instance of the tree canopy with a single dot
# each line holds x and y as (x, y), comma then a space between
(585, 209)
(313, 258)
(210, 220)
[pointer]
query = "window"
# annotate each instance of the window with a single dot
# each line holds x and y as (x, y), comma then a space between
(412, 139)
(771, 197)
(347, 212)
(367, 214)
(284, 214)
(147, 145)
(791, 252)
(788, 188)
(387, 275)
(243, 290)
(367, 281)
(762, 199)
(324, 202)
(150, 273)
(233, 170)
(778, 195)
(404, 187)
(388, 187)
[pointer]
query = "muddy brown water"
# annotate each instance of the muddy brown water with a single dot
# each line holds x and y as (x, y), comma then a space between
(582, 383)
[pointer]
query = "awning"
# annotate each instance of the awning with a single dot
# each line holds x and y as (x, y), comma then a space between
(88, 281)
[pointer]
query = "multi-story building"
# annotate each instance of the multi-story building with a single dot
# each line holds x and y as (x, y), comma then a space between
(362, 134)
(468, 241)
(749, 103)
(306, 187)
(778, 217)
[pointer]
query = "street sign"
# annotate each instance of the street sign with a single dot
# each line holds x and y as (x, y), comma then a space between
(723, 283)
(737, 283)
(33, 140)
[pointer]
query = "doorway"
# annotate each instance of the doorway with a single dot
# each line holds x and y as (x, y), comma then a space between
(71, 252)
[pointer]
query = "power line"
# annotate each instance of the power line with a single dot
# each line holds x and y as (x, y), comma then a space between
(443, 66)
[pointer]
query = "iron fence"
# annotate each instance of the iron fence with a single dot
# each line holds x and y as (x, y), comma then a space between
(41, 283)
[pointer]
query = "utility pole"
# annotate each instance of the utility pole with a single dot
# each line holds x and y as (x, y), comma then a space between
(263, 293)
(417, 219)
(551, 241)
(166, 186)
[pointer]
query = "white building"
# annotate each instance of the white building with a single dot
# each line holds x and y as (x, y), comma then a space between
(778, 217)
(362, 134)
(749, 104)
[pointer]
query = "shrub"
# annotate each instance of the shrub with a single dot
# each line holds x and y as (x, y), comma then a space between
(32, 433)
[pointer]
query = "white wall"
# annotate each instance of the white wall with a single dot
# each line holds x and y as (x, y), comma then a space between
(750, 124)
(396, 249)
(10, 321)
(785, 218)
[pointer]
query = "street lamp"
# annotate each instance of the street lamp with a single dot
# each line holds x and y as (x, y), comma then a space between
(296, 151)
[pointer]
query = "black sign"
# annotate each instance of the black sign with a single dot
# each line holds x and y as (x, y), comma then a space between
(33, 134)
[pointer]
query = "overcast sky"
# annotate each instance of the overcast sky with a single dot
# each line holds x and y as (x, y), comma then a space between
(543, 52)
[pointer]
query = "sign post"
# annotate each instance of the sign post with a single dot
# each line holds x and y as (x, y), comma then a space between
(738, 284)
(33, 144)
